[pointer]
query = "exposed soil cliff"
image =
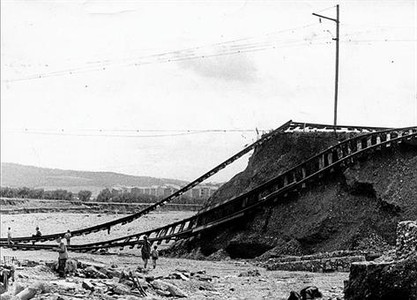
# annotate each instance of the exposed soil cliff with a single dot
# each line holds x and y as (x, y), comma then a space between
(355, 208)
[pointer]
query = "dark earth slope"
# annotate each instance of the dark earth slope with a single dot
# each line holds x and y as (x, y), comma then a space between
(279, 154)
(355, 208)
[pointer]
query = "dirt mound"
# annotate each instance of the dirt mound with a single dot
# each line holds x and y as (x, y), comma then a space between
(355, 208)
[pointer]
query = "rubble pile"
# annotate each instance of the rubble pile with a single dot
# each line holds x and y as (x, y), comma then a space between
(337, 261)
(406, 239)
(393, 279)
(98, 281)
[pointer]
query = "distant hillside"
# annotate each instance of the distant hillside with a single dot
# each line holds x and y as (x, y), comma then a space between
(15, 175)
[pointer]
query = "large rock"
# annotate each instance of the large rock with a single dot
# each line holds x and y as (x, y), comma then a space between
(168, 289)
(383, 281)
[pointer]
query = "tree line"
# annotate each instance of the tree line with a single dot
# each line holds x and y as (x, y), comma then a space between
(106, 195)
(25, 192)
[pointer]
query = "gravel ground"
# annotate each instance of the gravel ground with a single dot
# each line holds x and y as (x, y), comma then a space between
(226, 282)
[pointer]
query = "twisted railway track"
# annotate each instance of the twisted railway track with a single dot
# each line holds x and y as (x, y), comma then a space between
(286, 127)
(294, 180)
(127, 219)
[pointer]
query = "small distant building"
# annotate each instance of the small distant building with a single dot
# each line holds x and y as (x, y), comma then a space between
(200, 192)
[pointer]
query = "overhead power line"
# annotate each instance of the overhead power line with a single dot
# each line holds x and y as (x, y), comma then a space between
(131, 133)
(268, 41)
(236, 46)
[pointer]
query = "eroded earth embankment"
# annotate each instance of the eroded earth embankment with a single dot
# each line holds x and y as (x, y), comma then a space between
(352, 209)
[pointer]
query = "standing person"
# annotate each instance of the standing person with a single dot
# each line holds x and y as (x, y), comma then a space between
(9, 236)
(146, 251)
(155, 256)
(67, 236)
(62, 258)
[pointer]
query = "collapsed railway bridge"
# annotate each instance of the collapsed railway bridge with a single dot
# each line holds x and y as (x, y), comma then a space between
(252, 211)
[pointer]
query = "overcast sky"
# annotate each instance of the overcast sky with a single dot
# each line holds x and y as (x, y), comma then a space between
(79, 77)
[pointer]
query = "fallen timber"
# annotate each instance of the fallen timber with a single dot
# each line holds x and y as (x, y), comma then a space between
(294, 180)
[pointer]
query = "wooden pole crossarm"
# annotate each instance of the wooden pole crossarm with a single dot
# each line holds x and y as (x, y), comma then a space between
(324, 17)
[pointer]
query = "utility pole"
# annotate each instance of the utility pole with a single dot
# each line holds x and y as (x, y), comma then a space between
(336, 86)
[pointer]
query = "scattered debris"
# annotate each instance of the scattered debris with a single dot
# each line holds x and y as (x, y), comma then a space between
(137, 284)
(307, 293)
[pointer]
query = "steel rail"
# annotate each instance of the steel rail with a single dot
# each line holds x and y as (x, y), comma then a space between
(290, 125)
(188, 227)
(342, 128)
(130, 218)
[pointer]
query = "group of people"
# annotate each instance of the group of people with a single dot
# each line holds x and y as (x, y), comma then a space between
(37, 234)
(146, 251)
(62, 249)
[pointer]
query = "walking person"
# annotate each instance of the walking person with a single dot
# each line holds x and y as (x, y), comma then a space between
(155, 256)
(9, 236)
(68, 236)
(146, 251)
(62, 258)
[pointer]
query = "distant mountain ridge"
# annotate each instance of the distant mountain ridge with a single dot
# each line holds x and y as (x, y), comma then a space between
(17, 175)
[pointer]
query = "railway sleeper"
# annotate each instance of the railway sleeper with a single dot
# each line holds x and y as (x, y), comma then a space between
(333, 156)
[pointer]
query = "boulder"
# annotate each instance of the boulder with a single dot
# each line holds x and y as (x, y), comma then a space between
(164, 288)
(385, 280)
(310, 292)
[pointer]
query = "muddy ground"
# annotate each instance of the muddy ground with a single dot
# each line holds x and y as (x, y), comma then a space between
(225, 280)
